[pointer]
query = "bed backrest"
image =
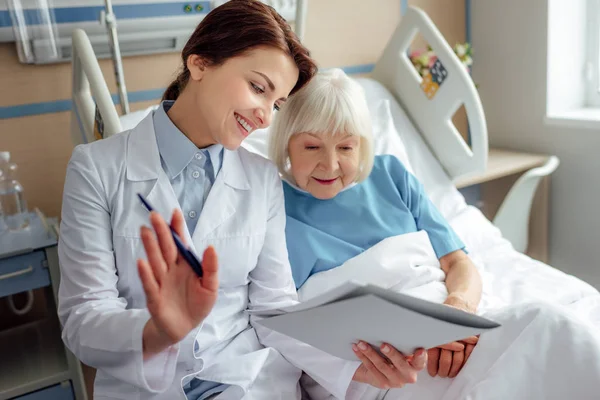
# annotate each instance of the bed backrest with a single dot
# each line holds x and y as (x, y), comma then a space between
(90, 95)
(431, 105)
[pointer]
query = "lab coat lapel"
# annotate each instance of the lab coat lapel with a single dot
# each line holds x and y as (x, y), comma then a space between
(163, 199)
(225, 194)
(143, 164)
(143, 157)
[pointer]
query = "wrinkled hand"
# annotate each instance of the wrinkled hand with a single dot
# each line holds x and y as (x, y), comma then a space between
(447, 360)
(392, 371)
(177, 299)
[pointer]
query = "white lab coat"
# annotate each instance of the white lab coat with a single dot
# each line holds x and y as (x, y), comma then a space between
(102, 305)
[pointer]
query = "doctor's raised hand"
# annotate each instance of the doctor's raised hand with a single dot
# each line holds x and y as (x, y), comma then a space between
(177, 299)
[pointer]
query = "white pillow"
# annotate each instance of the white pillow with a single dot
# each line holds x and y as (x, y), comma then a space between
(399, 263)
(386, 140)
(258, 142)
(131, 120)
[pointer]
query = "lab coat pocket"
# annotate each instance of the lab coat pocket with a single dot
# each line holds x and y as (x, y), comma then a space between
(237, 256)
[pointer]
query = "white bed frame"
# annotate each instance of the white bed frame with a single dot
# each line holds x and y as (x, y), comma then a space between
(433, 118)
(88, 91)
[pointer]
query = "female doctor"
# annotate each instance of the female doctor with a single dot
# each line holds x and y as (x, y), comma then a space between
(158, 331)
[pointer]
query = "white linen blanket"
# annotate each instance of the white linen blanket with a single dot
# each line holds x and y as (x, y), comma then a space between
(404, 263)
(548, 346)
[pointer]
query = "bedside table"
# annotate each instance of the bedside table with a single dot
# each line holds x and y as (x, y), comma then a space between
(33, 357)
(503, 169)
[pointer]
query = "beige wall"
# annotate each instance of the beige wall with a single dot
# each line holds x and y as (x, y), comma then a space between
(41, 144)
(339, 33)
(511, 41)
(448, 16)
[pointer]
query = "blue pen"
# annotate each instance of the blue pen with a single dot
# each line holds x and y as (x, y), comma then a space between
(184, 251)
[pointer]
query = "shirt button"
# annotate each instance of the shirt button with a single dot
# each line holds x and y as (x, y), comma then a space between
(195, 174)
(192, 214)
(198, 156)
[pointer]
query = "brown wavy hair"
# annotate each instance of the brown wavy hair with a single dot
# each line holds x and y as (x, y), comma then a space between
(235, 28)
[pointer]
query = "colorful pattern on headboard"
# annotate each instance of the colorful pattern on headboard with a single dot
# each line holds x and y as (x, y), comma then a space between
(433, 79)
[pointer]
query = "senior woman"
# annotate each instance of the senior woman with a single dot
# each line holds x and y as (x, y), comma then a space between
(341, 200)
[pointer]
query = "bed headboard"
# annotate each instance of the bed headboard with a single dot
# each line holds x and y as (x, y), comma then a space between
(431, 103)
(90, 95)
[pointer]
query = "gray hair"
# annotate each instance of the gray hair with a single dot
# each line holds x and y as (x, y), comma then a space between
(330, 103)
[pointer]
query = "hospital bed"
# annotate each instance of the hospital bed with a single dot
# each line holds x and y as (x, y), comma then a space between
(423, 136)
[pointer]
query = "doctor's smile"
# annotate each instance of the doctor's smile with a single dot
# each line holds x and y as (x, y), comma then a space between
(244, 125)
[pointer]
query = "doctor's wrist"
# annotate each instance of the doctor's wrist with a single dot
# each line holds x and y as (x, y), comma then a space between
(154, 340)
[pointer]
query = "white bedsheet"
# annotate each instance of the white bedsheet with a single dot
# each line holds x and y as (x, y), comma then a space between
(399, 263)
(407, 263)
(508, 274)
(540, 352)
(404, 263)
(130, 121)
(515, 278)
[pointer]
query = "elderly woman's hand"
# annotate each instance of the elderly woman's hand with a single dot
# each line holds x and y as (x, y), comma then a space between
(392, 371)
(446, 361)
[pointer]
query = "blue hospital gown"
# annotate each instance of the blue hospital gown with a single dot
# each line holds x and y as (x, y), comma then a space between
(323, 234)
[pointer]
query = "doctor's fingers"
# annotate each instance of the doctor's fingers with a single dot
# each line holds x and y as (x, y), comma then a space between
(398, 373)
(407, 370)
(178, 223)
(373, 376)
(419, 359)
(210, 269)
(154, 254)
(149, 283)
(165, 240)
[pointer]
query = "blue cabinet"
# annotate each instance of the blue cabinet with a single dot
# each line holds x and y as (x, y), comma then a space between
(34, 363)
(62, 391)
(23, 272)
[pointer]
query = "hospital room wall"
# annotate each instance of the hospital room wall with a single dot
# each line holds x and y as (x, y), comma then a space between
(341, 33)
(510, 38)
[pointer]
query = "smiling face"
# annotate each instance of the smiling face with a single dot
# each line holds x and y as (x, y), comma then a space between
(232, 100)
(321, 140)
(322, 163)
